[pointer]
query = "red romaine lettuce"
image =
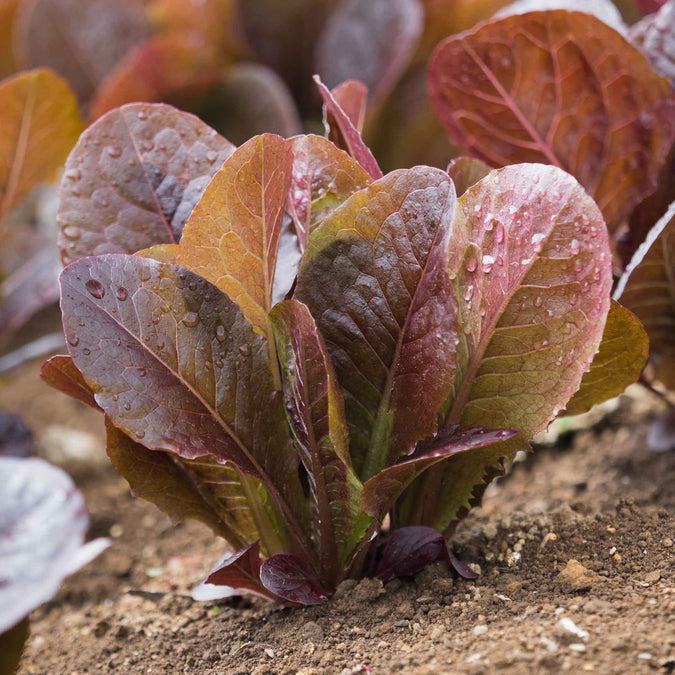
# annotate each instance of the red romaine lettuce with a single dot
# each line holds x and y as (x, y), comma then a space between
(425, 340)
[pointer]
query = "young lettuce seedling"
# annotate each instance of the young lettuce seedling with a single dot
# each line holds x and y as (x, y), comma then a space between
(420, 341)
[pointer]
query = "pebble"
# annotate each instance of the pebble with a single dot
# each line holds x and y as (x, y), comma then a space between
(312, 632)
(566, 629)
(653, 577)
(576, 577)
(480, 629)
(667, 542)
(578, 647)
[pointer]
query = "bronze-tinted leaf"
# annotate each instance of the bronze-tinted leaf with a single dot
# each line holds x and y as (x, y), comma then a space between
(292, 579)
(161, 70)
(39, 124)
(511, 90)
(60, 372)
(619, 362)
(375, 278)
(315, 408)
(83, 41)
(8, 10)
(531, 269)
(371, 41)
(232, 236)
(323, 177)
(133, 179)
(466, 172)
(655, 36)
(648, 290)
(174, 365)
(341, 130)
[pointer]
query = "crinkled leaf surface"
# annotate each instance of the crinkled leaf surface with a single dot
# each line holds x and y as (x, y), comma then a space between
(232, 236)
(315, 407)
(466, 172)
(174, 364)
(133, 179)
(82, 41)
(650, 293)
(383, 489)
(290, 578)
(375, 278)
(531, 269)
(619, 362)
(352, 97)
(60, 373)
(163, 69)
(39, 124)
(43, 523)
(655, 36)
(341, 130)
(323, 177)
(371, 41)
(561, 88)
(235, 573)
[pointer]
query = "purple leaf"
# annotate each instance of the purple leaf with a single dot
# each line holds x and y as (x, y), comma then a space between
(60, 372)
(43, 523)
(371, 41)
(460, 566)
(133, 179)
(409, 550)
(291, 578)
(341, 130)
(235, 573)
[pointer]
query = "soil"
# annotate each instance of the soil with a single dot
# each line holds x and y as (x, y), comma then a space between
(575, 549)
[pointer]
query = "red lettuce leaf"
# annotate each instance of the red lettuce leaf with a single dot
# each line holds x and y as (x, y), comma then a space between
(382, 490)
(655, 36)
(290, 578)
(509, 92)
(323, 177)
(341, 131)
(371, 41)
(174, 365)
(83, 41)
(235, 573)
(352, 97)
(60, 373)
(133, 179)
(466, 172)
(315, 409)
(388, 314)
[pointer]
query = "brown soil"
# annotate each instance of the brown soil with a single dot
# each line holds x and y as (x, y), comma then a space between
(597, 508)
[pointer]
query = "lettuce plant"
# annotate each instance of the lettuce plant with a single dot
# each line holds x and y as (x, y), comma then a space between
(312, 346)
(619, 144)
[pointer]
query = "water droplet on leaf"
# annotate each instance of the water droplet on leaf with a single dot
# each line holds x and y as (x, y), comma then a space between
(95, 288)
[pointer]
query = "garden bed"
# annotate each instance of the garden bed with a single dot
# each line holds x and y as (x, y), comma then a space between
(600, 498)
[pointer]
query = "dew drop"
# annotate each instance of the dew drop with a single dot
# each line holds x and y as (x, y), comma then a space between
(575, 247)
(191, 319)
(86, 351)
(211, 156)
(574, 298)
(140, 435)
(71, 232)
(141, 372)
(74, 341)
(95, 288)
(471, 265)
(499, 237)
(538, 301)
(221, 333)
(219, 363)
(488, 262)
(114, 151)
(585, 287)
(122, 294)
(142, 115)
(468, 293)
(578, 265)
(244, 350)
(127, 406)
(73, 174)
(145, 273)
